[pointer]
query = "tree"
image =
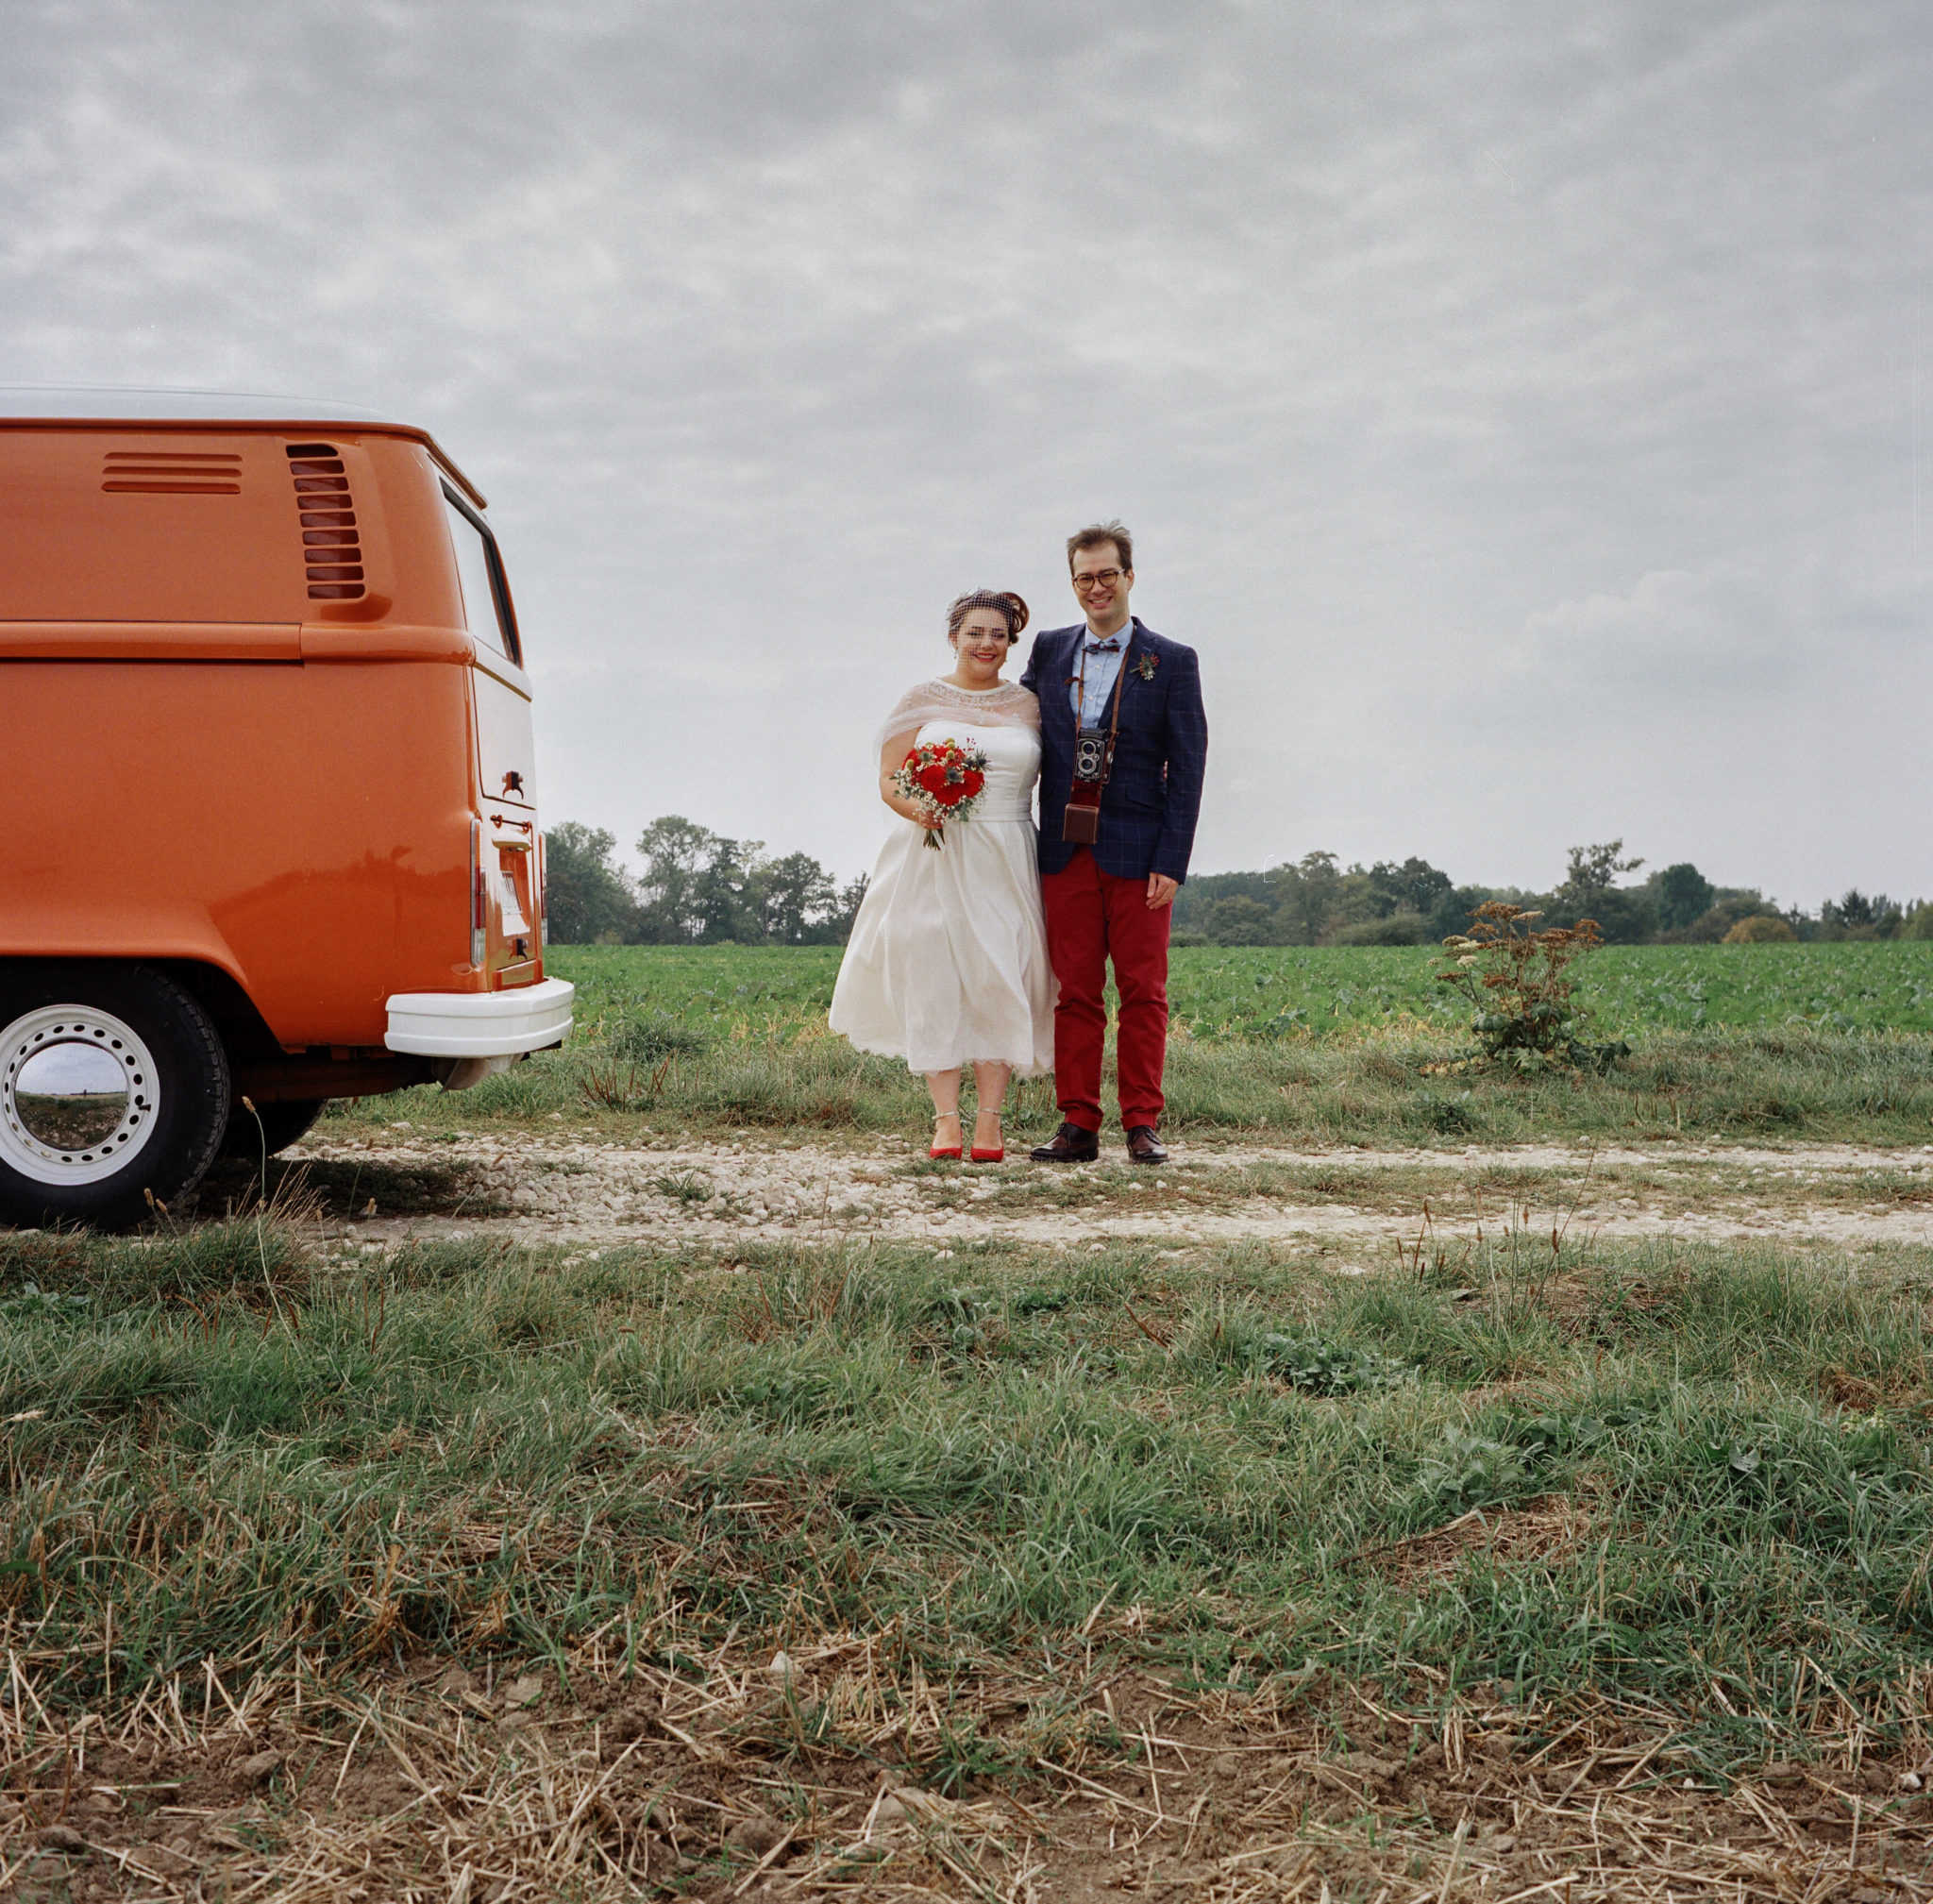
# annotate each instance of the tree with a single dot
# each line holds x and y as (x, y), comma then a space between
(731, 898)
(846, 909)
(1592, 870)
(796, 898)
(1857, 917)
(676, 854)
(1237, 920)
(700, 887)
(1625, 915)
(1415, 886)
(1684, 896)
(1194, 903)
(1306, 897)
(1454, 911)
(585, 897)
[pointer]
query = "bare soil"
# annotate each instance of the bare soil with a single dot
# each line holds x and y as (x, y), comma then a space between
(569, 1190)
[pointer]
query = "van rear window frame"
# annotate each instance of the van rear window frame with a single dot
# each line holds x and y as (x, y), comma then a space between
(493, 562)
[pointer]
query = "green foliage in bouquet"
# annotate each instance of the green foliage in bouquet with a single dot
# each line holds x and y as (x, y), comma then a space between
(1521, 983)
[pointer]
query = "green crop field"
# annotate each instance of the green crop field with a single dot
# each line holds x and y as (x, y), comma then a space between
(1273, 991)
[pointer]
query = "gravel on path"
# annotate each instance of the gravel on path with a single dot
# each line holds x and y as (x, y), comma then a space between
(559, 1188)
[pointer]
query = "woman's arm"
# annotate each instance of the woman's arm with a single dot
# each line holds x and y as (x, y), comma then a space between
(892, 758)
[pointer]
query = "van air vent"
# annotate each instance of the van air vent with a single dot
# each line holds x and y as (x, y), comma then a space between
(171, 472)
(331, 548)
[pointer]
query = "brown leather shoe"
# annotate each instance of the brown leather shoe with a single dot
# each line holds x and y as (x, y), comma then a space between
(1071, 1145)
(1144, 1147)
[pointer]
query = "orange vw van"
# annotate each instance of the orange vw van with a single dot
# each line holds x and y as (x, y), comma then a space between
(272, 797)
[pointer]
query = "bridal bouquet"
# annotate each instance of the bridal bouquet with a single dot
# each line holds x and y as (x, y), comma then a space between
(944, 778)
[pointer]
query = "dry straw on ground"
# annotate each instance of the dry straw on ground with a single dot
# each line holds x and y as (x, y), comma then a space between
(575, 1778)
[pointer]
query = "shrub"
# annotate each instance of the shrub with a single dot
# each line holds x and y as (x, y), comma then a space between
(1711, 926)
(1760, 929)
(1521, 983)
(1400, 928)
(1237, 920)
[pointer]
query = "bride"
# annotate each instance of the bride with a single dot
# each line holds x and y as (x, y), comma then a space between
(946, 964)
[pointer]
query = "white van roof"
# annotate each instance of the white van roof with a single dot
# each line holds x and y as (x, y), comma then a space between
(107, 403)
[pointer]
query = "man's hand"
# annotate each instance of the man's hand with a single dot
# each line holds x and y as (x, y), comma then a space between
(1161, 890)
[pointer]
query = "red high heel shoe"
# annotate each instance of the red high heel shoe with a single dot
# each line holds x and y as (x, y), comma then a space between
(994, 1157)
(936, 1150)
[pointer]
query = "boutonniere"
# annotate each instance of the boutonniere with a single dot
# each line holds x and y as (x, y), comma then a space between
(1145, 667)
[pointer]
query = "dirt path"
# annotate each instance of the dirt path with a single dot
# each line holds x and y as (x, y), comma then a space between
(534, 1188)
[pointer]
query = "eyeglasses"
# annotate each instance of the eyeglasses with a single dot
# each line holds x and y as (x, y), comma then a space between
(1105, 578)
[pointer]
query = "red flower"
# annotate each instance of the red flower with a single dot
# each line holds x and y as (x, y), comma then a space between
(944, 778)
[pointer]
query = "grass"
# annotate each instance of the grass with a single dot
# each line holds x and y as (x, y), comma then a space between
(1669, 1503)
(1400, 1086)
(229, 1449)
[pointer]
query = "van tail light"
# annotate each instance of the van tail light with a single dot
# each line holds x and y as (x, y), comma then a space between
(537, 898)
(479, 915)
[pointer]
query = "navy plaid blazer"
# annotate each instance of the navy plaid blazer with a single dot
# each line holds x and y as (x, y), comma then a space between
(1154, 793)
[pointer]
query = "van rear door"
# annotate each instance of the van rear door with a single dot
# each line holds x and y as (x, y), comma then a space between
(506, 755)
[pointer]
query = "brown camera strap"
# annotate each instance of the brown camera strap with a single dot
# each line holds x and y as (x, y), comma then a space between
(1113, 726)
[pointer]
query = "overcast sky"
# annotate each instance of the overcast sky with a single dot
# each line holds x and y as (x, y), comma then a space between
(1519, 407)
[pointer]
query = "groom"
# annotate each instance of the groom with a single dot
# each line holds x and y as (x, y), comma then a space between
(1121, 706)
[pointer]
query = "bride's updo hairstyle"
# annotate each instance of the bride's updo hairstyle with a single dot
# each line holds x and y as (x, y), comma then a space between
(1004, 603)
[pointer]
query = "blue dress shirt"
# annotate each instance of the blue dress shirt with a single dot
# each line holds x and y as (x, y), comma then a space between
(1103, 666)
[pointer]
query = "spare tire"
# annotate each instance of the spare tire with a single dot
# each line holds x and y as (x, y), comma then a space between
(113, 1091)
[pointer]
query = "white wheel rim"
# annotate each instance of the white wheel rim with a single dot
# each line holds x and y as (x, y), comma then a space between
(76, 1024)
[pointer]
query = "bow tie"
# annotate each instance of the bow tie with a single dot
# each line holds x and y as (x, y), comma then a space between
(1111, 646)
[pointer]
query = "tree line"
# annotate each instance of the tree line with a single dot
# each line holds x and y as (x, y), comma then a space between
(694, 887)
(698, 887)
(1316, 900)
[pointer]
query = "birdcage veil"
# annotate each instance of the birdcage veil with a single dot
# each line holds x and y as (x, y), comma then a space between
(1003, 600)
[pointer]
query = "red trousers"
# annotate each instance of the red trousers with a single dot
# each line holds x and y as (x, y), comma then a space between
(1092, 916)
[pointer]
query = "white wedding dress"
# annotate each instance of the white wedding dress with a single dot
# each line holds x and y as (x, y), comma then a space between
(946, 964)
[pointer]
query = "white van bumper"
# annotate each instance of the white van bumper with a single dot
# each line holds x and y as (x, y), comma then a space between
(480, 1024)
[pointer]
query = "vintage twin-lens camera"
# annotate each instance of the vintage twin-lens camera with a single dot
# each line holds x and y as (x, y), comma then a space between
(1090, 755)
(1081, 818)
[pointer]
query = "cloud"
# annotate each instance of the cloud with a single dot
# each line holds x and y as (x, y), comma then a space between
(1750, 635)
